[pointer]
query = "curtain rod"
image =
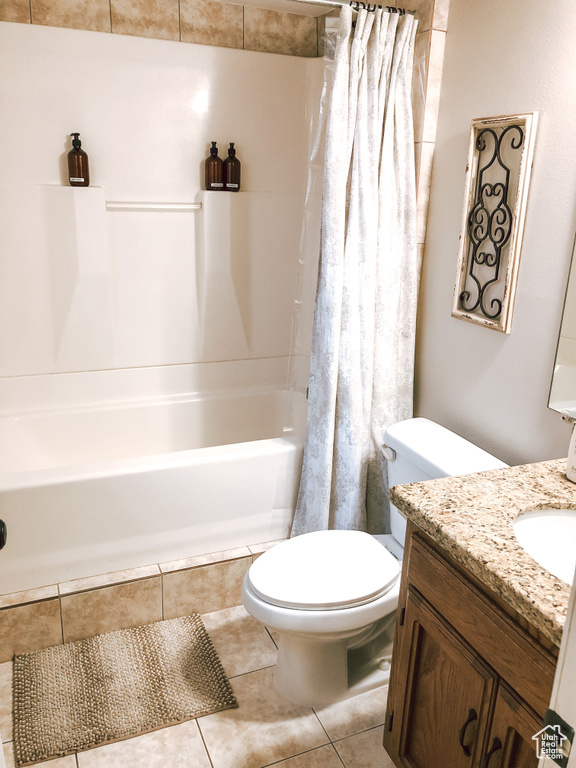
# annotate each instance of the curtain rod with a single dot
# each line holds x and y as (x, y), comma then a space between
(356, 5)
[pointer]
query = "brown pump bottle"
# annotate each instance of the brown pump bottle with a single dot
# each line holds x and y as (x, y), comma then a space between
(213, 169)
(232, 170)
(78, 173)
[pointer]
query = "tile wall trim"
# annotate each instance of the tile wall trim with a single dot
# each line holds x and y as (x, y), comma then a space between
(107, 593)
(215, 23)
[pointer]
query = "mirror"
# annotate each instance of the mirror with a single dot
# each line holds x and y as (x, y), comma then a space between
(563, 389)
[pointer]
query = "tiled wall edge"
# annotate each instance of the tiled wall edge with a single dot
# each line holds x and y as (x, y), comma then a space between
(300, 34)
(26, 614)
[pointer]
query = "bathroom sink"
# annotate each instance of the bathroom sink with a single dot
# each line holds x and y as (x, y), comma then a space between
(549, 536)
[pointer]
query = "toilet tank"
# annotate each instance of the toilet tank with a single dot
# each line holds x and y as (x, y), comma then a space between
(424, 451)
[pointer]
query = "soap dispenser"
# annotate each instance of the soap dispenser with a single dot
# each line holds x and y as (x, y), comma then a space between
(213, 169)
(78, 173)
(232, 170)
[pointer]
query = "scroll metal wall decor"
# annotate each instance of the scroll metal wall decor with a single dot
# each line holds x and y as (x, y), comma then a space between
(497, 179)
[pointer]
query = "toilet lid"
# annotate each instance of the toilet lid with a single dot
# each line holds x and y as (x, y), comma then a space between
(324, 570)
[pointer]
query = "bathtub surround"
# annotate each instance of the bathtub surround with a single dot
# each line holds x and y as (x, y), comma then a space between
(125, 308)
(145, 343)
(361, 368)
(74, 697)
(54, 280)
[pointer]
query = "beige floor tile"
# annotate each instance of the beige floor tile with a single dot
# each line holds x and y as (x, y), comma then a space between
(364, 750)
(206, 589)
(29, 596)
(325, 757)
(212, 558)
(6, 701)
(242, 643)
(353, 715)
(27, 628)
(259, 549)
(61, 762)
(179, 746)
(108, 579)
(104, 610)
(265, 728)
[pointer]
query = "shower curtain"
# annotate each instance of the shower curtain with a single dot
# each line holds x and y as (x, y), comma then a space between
(361, 372)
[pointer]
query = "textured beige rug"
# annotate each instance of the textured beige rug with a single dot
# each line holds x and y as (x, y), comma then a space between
(69, 698)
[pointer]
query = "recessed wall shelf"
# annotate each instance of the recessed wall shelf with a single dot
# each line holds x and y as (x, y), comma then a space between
(113, 205)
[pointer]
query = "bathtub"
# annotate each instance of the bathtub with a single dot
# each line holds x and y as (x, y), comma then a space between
(89, 490)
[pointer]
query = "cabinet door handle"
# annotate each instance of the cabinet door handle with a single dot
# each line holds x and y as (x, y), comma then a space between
(470, 719)
(496, 745)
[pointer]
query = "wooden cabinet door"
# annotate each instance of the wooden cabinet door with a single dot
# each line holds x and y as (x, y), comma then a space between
(447, 699)
(510, 743)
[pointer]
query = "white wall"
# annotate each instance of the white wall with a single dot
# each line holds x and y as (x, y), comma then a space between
(502, 58)
(87, 290)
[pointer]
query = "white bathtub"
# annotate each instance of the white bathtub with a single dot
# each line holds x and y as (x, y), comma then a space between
(88, 490)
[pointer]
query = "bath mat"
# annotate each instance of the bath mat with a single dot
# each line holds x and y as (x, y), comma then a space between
(69, 698)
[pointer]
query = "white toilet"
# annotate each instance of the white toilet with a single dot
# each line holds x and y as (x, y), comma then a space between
(331, 596)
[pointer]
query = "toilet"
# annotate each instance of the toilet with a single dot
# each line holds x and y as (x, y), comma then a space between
(331, 596)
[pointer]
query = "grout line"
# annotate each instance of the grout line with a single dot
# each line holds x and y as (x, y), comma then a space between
(357, 733)
(204, 742)
(162, 593)
(61, 618)
(29, 602)
(298, 754)
(339, 756)
(108, 586)
(110, 6)
(271, 638)
(251, 672)
(322, 725)
(30, 10)
(179, 23)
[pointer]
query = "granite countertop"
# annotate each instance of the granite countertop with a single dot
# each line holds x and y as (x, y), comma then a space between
(471, 517)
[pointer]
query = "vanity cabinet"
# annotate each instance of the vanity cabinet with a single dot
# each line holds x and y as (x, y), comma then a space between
(470, 681)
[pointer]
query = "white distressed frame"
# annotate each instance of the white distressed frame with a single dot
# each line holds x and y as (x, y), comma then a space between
(528, 122)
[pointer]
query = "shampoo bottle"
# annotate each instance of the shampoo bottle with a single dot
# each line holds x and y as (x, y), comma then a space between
(78, 173)
(232, 170)
(213, 169)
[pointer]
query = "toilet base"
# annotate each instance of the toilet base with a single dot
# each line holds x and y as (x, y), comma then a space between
(314, 671)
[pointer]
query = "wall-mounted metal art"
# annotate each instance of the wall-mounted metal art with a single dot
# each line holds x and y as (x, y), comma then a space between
(497, 179)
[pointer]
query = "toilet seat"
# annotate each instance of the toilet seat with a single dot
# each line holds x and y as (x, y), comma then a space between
(323, 571)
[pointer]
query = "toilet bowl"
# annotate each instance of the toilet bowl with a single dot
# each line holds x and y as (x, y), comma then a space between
(326, 594)
(331, 596)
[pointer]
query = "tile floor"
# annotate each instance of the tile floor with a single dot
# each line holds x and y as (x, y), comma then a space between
(265, 730)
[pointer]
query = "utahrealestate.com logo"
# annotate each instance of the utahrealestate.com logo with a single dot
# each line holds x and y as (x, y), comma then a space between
(549, 743)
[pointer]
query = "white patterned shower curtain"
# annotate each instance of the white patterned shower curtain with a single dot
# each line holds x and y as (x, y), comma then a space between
(362, 363)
